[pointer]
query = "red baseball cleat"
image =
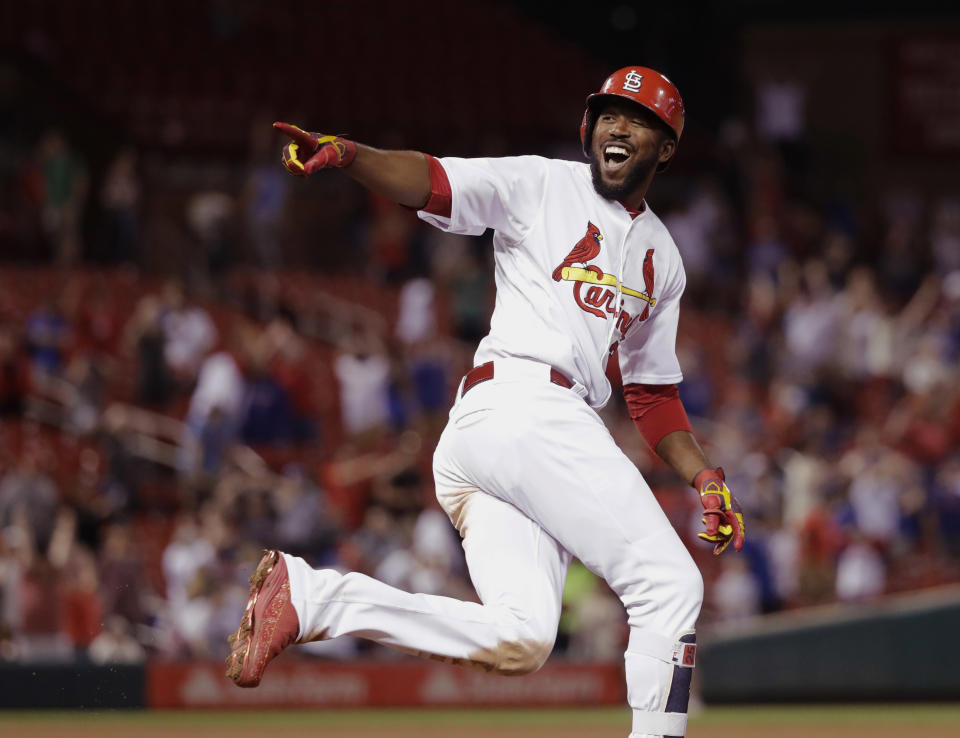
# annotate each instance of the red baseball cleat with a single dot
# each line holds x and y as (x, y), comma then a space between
(269, 624)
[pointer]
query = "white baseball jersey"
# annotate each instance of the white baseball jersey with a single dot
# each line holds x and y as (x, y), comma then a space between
(576, 275)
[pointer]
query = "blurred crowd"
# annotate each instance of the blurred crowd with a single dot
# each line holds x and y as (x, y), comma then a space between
(157, 434)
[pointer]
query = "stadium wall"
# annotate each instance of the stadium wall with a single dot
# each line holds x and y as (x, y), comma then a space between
(294, 682)
(901, 649)
(904, 648)
(63, 686)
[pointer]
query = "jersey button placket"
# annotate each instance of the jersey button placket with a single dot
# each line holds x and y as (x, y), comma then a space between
(620, 299)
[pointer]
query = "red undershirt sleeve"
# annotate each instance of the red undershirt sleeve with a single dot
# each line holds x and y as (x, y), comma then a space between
(656, 410)
(440, 195)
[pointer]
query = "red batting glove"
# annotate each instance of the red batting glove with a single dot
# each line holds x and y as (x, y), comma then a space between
(722, 513)
(309, 152)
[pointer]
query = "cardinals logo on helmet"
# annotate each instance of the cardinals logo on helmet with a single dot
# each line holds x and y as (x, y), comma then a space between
(633, 81)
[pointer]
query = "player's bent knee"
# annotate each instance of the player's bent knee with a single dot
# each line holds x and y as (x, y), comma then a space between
(521, 656)
(691, 583)
(684, 596)
(689, 591)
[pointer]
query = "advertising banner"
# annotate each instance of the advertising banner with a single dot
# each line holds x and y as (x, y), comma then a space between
(302, 683)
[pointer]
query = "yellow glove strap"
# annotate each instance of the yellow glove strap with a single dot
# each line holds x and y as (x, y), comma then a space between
(335, 142)
(293, 160)
(715, 487)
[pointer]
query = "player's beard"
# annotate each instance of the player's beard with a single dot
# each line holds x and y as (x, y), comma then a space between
(638, 173)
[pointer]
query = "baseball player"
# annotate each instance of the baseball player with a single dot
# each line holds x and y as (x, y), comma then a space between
(526, 469)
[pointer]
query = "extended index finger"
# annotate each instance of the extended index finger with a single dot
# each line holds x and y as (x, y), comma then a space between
(297, 134)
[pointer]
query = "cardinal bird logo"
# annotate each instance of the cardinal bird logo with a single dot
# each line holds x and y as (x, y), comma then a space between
(585, 249)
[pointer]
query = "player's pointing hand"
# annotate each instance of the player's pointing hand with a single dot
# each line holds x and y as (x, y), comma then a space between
(722, 514)
(308, 152)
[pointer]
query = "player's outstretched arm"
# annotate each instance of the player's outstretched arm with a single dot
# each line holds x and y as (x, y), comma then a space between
(400, 176)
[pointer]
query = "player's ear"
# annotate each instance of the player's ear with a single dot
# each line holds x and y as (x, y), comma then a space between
(668, 147)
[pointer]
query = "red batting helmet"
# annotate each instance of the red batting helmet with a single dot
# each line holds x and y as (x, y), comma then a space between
(641, 85)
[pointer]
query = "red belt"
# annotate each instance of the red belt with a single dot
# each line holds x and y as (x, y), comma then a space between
(484, 372)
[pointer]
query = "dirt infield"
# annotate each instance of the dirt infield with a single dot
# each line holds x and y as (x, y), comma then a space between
(746, 722)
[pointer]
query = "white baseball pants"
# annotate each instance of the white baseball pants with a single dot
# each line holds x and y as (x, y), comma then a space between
(529, 475)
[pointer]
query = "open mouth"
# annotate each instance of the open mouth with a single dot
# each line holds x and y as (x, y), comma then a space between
(615, 156)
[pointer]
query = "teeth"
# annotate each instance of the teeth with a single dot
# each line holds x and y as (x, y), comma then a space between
(616, 150)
